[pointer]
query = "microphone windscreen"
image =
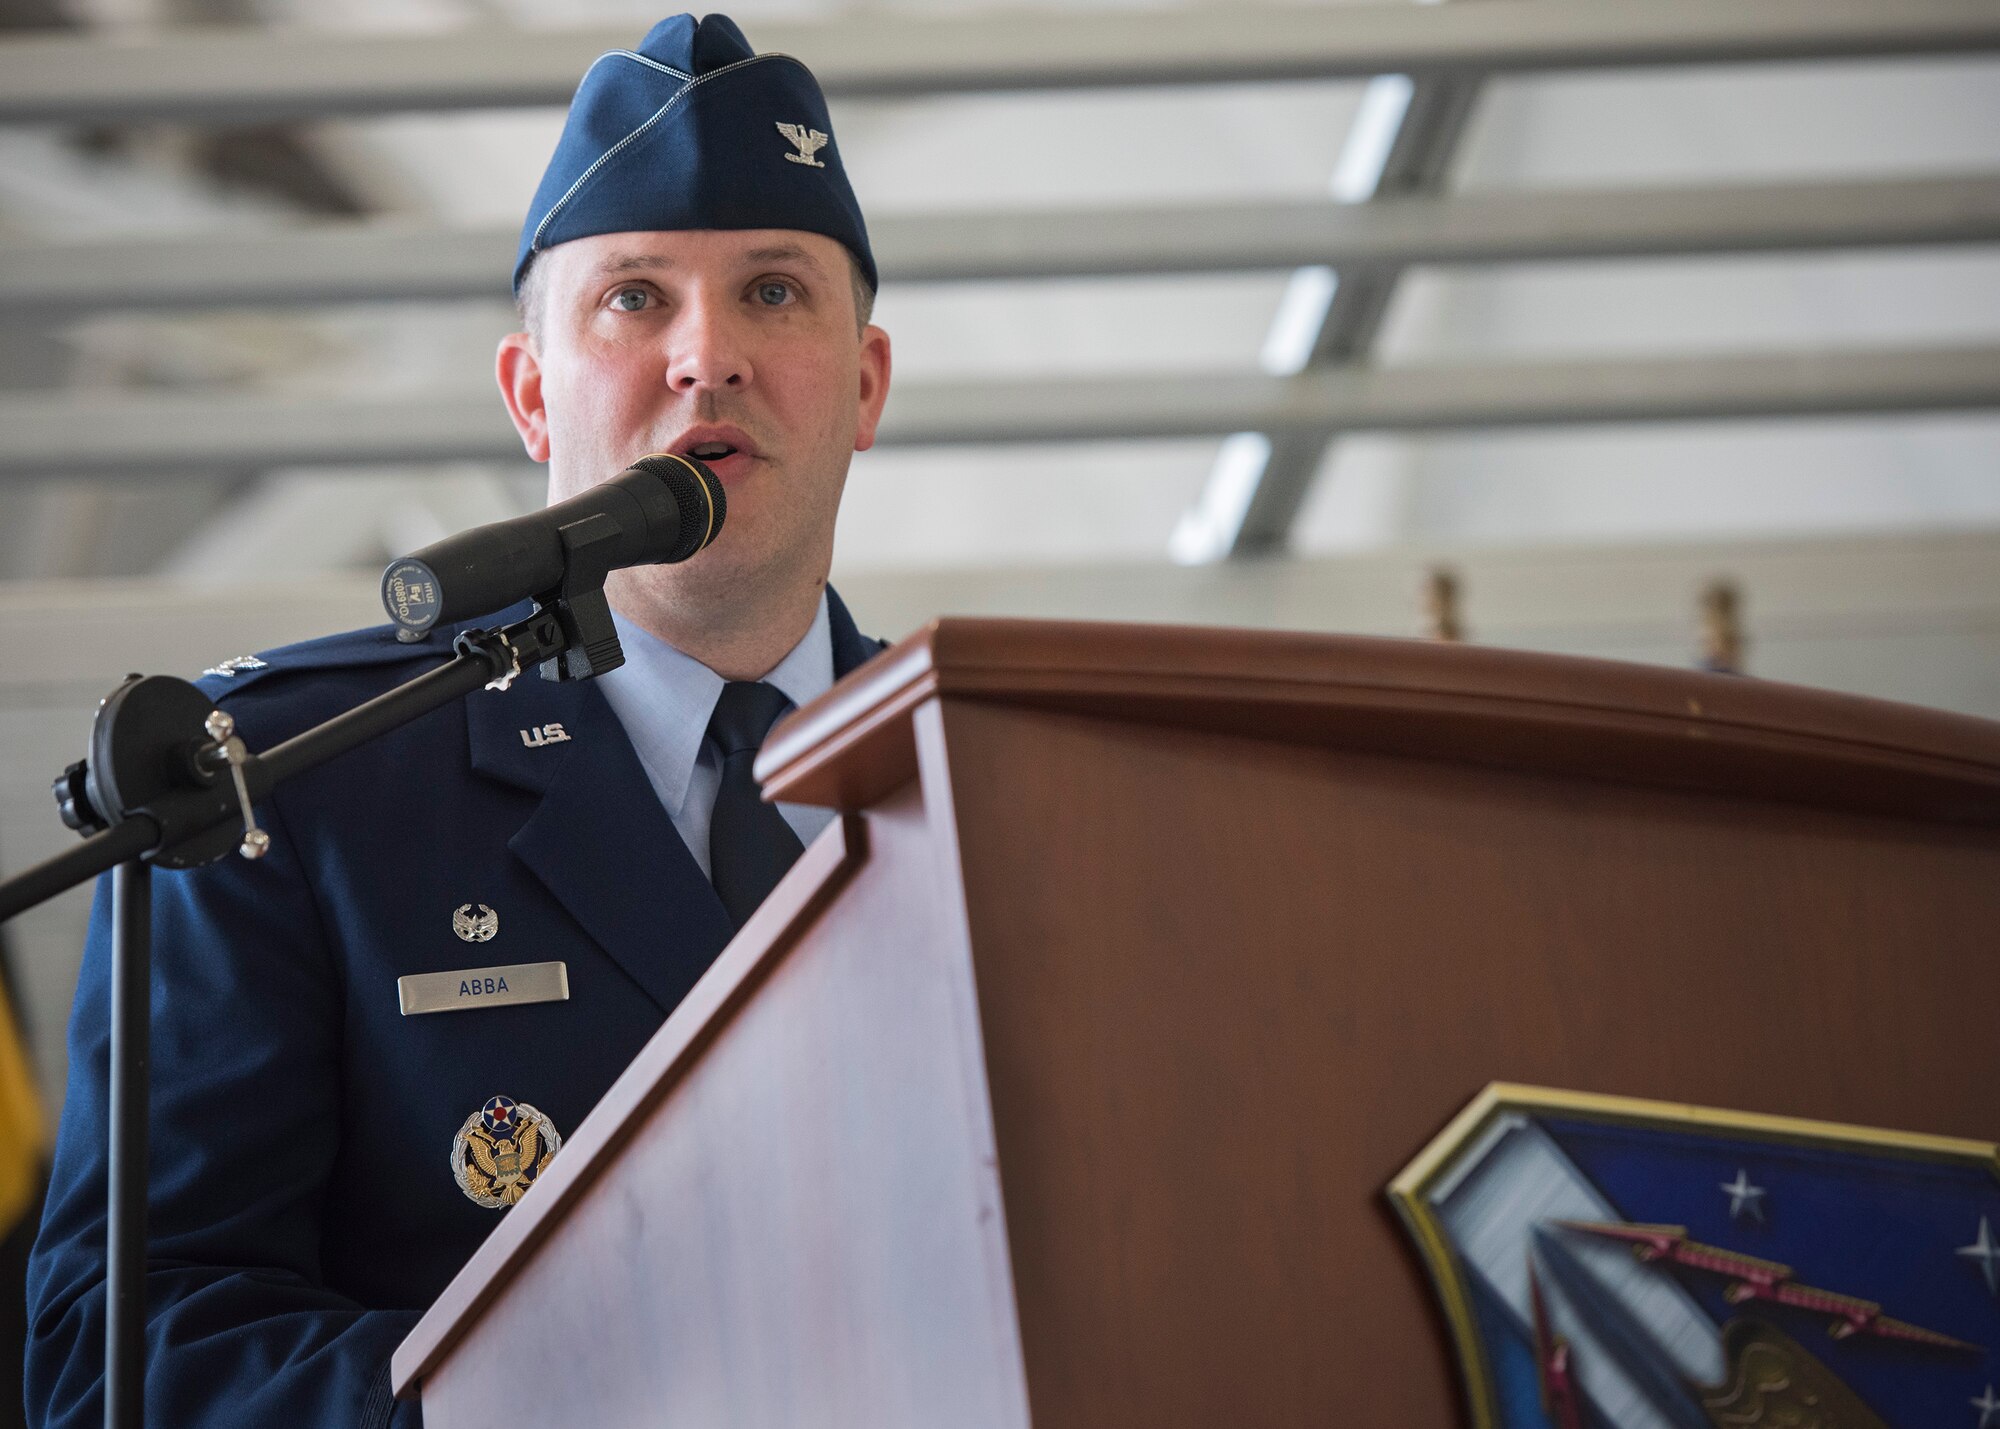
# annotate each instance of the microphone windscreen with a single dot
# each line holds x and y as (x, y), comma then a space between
(697, 495)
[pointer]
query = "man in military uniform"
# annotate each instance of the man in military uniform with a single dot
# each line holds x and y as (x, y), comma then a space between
(368, 1044)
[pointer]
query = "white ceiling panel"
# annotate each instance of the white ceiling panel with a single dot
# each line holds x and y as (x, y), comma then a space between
(1741, 122)
(1733, 480)
(1023, 505)
(1697, 305)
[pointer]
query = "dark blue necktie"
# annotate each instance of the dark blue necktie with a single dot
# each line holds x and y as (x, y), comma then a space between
(749, 843)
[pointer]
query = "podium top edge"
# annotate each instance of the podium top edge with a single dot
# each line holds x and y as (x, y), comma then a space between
(1477, 704)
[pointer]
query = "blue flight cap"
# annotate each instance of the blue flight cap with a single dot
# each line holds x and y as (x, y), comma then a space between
(694, 129)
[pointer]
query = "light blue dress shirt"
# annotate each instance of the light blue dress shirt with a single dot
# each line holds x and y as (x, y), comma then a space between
(664, 700)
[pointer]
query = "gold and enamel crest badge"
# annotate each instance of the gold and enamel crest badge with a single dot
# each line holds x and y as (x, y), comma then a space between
(501, 1151)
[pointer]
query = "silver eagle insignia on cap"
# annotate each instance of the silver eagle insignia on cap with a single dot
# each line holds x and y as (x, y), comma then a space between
(807, 141)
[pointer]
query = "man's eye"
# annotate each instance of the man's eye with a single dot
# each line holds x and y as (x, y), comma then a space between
(774, 294)
(630, 300)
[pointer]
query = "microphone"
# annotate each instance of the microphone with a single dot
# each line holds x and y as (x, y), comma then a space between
(663, 508)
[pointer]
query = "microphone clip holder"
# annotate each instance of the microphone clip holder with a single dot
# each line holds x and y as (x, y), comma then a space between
(589, 638)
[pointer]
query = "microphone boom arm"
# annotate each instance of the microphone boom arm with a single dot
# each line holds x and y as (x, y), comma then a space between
(160, 824)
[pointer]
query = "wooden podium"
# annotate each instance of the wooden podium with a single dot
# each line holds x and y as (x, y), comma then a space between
(1060, 1081)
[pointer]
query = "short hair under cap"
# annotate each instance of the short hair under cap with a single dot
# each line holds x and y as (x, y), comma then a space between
(694, 129)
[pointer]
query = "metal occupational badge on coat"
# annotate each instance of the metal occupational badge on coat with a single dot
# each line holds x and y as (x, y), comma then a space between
(475, 923)
(501, 1151)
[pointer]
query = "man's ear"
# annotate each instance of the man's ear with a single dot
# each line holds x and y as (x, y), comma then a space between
(520, 374)
(874, 385)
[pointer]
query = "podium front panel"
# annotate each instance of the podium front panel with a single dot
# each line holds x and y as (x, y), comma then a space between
(1231, 986)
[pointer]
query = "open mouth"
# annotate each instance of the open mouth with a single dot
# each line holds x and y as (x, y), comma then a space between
(711, 451)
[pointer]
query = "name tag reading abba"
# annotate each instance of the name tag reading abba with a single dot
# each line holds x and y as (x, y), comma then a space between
(483, 987)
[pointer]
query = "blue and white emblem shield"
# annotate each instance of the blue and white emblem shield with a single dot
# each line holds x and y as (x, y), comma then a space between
(1610, 1262)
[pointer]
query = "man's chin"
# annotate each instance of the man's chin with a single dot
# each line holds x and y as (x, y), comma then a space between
(707, 579)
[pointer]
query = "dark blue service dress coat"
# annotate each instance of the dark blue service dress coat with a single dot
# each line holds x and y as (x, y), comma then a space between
(304, 1207)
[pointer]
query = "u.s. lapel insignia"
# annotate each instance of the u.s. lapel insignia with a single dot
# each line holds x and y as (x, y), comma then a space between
(501, 1151)
(807, 141)
(476, 923)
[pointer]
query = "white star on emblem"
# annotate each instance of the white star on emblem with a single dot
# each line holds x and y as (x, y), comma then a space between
(1743, 1196)
(1987, 1253)
(1988, 1407)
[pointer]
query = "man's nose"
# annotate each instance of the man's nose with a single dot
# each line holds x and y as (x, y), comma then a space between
(707, 351)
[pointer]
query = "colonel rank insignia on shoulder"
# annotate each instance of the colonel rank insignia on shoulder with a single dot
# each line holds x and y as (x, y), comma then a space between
(501, 1151)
